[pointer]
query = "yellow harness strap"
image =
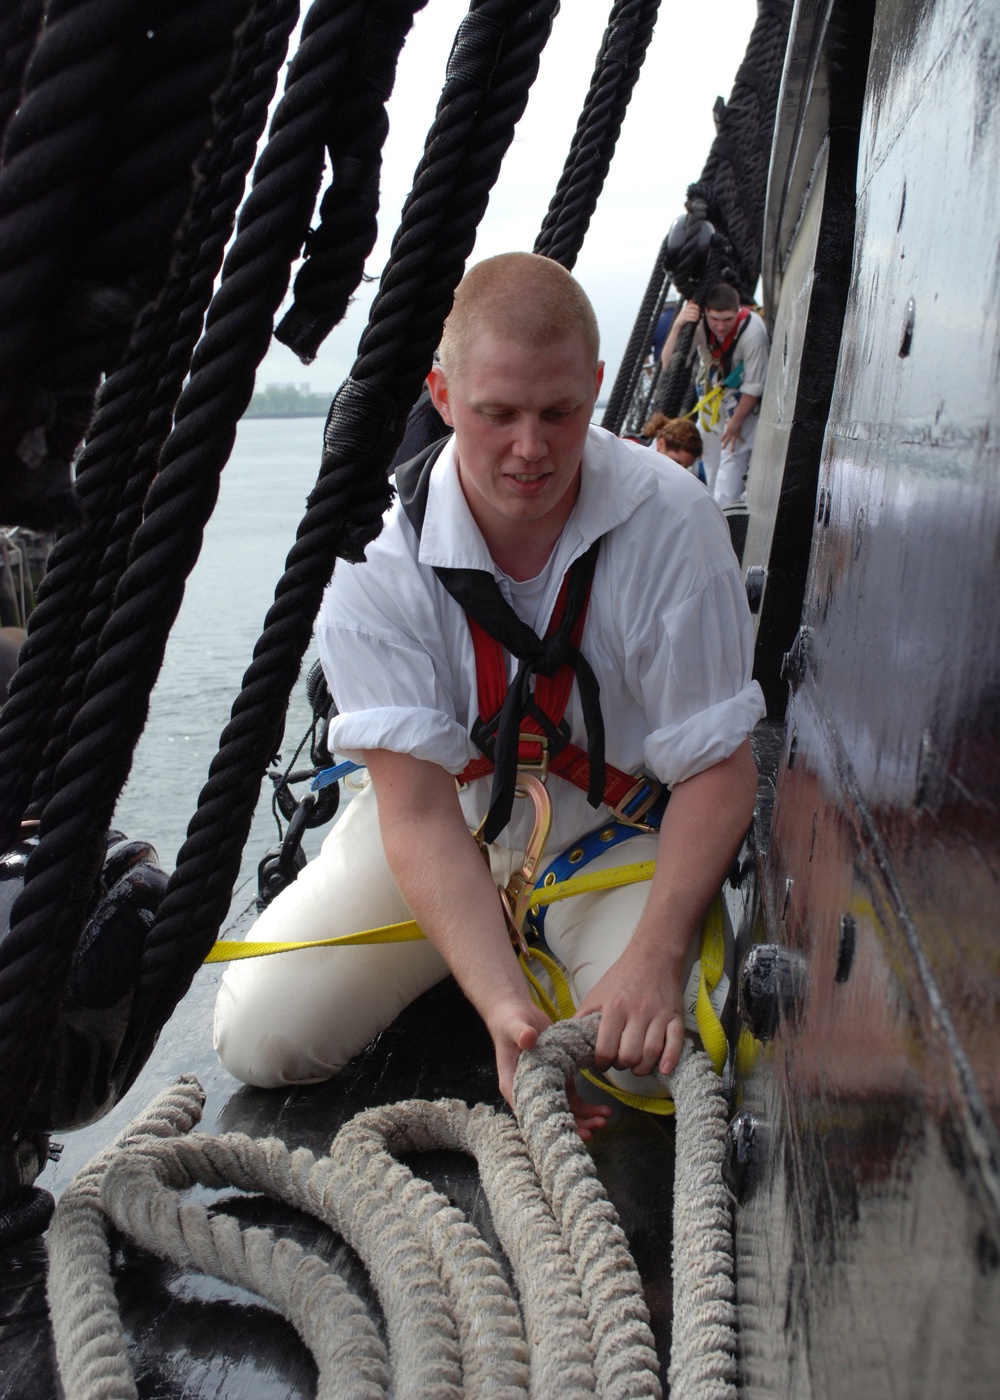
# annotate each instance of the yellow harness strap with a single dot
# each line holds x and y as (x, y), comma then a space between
(230, 950)
(709, 406)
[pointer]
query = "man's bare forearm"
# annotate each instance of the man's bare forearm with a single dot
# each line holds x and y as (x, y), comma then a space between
(442, 875)
(639, 997)
(704, 824)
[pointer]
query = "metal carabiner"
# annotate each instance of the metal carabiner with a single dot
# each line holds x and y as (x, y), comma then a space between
(516, 895)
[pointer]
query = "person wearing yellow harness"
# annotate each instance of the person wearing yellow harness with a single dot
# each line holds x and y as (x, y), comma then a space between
(544, 598)
(733, 348)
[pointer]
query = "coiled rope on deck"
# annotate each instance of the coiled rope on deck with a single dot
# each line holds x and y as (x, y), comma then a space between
(452, 1322)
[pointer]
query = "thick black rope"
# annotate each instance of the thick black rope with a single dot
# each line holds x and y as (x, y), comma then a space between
(20, 21)
(735, 175)
(96, 176)
(143, 394)
(623, 48)
(134, 412)
(730, 196)
(493, 64)
(336, 250)
(46, 918)
(626, 383)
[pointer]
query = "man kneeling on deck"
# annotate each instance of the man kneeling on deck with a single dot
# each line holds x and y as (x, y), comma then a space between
(622, 637)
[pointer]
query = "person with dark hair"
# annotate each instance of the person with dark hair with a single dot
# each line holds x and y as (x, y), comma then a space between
(545, 608)
(678, 439)
(733, 347)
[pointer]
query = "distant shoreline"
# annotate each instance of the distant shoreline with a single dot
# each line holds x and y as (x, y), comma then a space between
(322, 413)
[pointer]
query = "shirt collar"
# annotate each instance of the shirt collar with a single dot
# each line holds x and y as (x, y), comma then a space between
(614, 482)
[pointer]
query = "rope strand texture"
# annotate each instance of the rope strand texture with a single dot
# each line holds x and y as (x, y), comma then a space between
(623, 48)
(454, 1327)
(703, 1350)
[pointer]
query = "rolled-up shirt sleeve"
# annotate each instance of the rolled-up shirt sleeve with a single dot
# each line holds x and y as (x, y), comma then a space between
(689, 647)
(757, 352)
(368, 675)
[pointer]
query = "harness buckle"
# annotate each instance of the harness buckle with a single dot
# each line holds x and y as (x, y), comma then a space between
(638, 802)
(532, 766)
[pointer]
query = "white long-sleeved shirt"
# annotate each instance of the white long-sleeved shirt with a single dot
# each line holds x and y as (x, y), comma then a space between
(668, 632)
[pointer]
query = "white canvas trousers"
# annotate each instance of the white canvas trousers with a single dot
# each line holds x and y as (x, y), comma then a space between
(297, 1018)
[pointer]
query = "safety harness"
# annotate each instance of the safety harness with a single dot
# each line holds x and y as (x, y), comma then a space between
(720, 375)
(521, 727)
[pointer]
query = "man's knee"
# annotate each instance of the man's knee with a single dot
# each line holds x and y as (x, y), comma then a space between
(266, 1049)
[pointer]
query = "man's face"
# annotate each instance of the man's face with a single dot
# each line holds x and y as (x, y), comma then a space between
(720, 323)
(520, 419)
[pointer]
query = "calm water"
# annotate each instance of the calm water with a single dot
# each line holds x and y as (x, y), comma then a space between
(262, 498)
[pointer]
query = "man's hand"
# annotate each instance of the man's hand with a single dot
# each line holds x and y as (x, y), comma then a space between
(642, 1014)
(731, 434)
(515, 1027)
(689, 312)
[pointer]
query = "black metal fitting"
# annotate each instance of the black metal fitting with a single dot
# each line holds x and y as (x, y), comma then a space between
(745, 1148)
(797, 661)
(755, 580)
(846, 943)
(773, 988)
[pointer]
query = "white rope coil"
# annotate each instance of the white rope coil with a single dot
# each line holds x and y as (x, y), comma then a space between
(453, 1325)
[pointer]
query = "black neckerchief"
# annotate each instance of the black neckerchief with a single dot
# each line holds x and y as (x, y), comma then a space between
(478, 595)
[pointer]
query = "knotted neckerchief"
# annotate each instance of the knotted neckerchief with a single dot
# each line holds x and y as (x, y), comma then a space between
(477, 593)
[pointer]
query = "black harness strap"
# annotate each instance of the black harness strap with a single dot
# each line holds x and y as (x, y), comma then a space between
(478, 595)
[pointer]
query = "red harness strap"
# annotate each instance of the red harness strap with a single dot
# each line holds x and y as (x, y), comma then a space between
(551, 696)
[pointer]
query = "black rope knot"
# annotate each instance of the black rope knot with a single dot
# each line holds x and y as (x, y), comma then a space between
(475, 52)
(618, 41)
(360, 416)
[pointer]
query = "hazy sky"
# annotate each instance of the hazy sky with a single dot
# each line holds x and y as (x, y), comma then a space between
(695, 52)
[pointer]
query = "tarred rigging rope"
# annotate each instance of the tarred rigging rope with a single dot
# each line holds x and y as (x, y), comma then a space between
(134, 412)
(34, 956)
(630, 28)
(95, 177)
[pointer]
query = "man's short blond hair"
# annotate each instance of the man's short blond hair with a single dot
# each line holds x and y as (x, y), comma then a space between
(521, 298)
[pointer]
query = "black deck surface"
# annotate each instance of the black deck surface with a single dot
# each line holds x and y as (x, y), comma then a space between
(195, 1338)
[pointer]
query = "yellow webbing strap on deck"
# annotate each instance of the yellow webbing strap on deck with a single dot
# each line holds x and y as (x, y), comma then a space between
(228, 950)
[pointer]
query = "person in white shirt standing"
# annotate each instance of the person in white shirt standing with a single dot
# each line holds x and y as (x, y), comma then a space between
(529, 554)
(733, 347)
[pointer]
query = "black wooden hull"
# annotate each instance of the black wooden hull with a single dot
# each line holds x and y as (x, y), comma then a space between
(868, 1238)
